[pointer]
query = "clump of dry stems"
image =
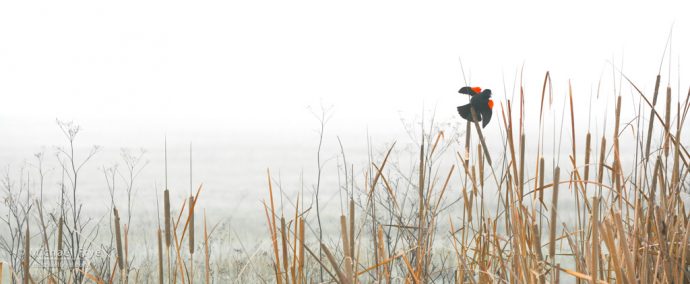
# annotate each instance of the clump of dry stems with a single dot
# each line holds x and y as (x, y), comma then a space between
(629, 223)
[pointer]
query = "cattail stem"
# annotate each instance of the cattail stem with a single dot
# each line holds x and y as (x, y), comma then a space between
(166, 209)
(26, 256)
(160, 256)
(594, 246)
(59, 243)
(118, 240)
(554, 216)
(651, 115)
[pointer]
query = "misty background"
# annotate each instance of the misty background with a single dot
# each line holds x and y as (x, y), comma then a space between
(241, 81)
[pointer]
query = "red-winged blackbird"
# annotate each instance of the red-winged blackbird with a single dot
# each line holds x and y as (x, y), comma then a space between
(480, 101)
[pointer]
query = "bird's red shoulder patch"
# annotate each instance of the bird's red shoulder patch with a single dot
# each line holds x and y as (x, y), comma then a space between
(491, 104)
(477, 90)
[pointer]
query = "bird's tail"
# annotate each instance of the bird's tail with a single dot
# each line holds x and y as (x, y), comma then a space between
(466, 113)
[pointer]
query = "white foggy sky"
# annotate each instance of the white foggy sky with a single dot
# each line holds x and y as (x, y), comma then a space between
(259, 64)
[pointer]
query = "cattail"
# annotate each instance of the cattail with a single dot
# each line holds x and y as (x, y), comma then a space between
(588, 149)
(59, 242)
(344, 236)
(160, 256)
(541, 180)
(667, 121)
(602, 156)
(301, 249)
(536, 235)
(352, 226)
(595, 241)
(522, 166)
(481, 138)
(552, 229)
(346, 246)
(420, 237)
(191, 224)
(118, 239)
(651, 116)
(27, 255)
(283, 237)
(166, 209)
(334, 263)
(382, 251)
(468, 136)
(480, 162)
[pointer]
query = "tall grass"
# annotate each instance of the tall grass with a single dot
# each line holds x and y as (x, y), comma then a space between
(631, 224)
(604, 214)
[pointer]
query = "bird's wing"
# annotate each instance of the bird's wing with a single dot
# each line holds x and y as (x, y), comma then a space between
(468, 91)
(486, 117)
(466, 113)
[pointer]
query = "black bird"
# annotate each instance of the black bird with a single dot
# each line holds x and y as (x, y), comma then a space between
(481, 103)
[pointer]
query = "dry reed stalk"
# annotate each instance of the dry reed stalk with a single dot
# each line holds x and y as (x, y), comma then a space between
(352, 224)
(166, 214)
(341, 276)
(667, 120)
(520, 243)
(684, 245)
(301, 251)
(509, 134)
(588, 150)
(443, 189)
(160, 256)
(412, 273)
(521, 188)
(27, 255)
(625, 247)
(468, 136)
(602, 162)
(594, 245)
(190, 221)
(178, 254)
(344, 236)
(607, 235)
(536, 246)
(663, 238)
(541, 180)
(421, 214)
(552, 229)
(295, 233)
(59, 253)
(481, 136)
(112, 272)
(675, 172)
(382, 253)
(651, 121)
(167, 220)
(118, 240)
(617, 168)
(572, 120)
(182, 210)
(191, 224)
(207, 259)
(126, 247)
(274, 233)
(283, 238)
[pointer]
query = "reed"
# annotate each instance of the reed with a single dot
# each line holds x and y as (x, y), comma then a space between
(408, 216)
(118, 240)
(624, 231)
(26, 257)
(160, 256)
